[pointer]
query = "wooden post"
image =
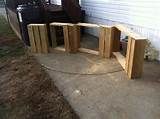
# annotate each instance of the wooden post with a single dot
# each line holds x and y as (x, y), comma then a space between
(38, 38)
(102, 35)
(135, 57)
(108, 43)
(105, 42)
(44, 38)
(66, 38)
(76, 38)
(71, 38)
(32, 39)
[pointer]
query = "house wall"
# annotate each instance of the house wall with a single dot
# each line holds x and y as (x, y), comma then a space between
(1, 3)
(140, 15)
(57, 2)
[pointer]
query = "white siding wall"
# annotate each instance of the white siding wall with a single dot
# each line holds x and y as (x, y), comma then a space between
(140, 15)
(57, 2)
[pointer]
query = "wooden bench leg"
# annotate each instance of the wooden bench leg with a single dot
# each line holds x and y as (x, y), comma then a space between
(32, 39)
(135, 58)
(105, 42)
(38, 38)
(44, 38)
(71, 38)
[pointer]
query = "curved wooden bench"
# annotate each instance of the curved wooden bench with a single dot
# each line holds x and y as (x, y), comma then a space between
(109, 43)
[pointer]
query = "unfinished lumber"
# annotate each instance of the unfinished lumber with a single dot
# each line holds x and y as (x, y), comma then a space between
(128, 31)
(88, 25)
(102, 36)
(76, 38)
(66, 38)
(133, 63)
(121, 59)
(128, 55)
(71, 38)
(38, 38)
(105, 42)
(135, 57)
(60, 24)
(89, 51)
(32, 39)
(62, 49)
(44, 38)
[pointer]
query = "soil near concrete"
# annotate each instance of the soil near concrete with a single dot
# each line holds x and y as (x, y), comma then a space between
(26, 91)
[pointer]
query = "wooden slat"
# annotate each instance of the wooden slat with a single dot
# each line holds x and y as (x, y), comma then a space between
(76, 38)
(32, 39)
(84, 50)
(121, 59)
(79, 24)
(88, 25)
(60, 49)
(71, 38)
(131, 58)
(129, 32)
(44, 38)
(108, 43)
(60, 24)
(128, 55)
(102, 41)
(66, 38)
(136, 58)
(37, 38)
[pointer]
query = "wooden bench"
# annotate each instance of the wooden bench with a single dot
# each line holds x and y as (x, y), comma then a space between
(109, 43)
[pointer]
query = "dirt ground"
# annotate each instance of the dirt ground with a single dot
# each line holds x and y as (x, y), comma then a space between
(26, 91)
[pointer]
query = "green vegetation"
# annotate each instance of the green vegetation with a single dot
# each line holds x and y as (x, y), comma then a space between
(10, 45)
(12, 50)
(4, 110)
(5, 29)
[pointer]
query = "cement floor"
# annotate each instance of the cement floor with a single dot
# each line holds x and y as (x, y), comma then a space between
(98, 90)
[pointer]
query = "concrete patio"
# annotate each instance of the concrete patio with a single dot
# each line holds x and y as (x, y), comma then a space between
(99, 88)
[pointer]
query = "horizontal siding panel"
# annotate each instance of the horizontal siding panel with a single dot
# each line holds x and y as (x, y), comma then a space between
(133, 12)
(140, 15)
(140, 21)
(121, 8)
(115, 9)
(122, 2)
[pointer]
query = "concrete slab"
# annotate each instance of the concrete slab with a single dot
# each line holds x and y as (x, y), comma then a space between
(109, 94)
(79, 63)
